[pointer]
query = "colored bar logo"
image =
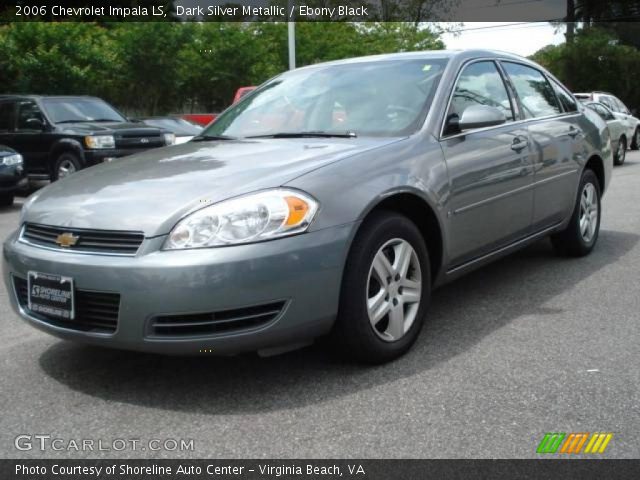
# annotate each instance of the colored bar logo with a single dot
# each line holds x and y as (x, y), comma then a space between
(574, 442)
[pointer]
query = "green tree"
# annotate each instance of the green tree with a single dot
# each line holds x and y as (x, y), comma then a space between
(595, 61)
(55, 58)
(145, 73)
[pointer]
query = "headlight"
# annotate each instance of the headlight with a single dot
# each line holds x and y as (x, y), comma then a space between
(251, 218)
(100, 141)
(15, 159)
(169, 138)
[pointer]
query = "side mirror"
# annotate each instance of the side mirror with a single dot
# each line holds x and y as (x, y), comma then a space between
(481, 116)
(35, 124)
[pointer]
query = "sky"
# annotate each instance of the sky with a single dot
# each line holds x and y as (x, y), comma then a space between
(515, 37)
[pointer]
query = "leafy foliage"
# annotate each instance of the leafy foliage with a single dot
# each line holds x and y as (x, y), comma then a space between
(596, 60)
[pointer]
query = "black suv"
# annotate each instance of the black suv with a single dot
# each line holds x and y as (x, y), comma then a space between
(58, 135)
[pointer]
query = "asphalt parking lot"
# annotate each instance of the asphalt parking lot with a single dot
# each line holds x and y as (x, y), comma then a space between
(531, 344)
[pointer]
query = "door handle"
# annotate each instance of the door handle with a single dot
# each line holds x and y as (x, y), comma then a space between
(519, 144)
(574, 132)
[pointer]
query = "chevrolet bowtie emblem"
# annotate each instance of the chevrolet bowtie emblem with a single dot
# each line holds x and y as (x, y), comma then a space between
(67, 239)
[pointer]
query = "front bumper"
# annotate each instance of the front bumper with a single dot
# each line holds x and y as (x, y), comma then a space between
(12, 178)
(303, 271)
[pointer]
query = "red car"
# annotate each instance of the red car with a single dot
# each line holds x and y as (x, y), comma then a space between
(241, 92)
(207, 118)
(200, 118)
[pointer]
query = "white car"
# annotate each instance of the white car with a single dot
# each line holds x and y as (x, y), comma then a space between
(617, 130)
(620, 110)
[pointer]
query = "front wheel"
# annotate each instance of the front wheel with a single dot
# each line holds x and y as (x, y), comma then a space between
(66, 164)
(581, 234)
(621, 152)
(385, 290)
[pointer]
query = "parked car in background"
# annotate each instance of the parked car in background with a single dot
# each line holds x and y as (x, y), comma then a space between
(203, 119)
(58, 135)
(181, 128)
(12, 175)
(241, 92)
(620, 110)
(617, 130)
(281, 223)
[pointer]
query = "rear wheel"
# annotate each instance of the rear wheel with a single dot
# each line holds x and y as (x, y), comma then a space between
(621, 152)
(66, 164)
(385, 290)
(635, 141)
(581, 234)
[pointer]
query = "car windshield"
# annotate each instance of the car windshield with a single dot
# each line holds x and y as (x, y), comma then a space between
(382, 98)
(67, 110)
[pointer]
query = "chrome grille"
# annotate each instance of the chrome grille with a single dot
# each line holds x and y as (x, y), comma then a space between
(139, 140)
(90, 241)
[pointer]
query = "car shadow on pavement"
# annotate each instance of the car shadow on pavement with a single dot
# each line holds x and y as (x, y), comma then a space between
(461, 315)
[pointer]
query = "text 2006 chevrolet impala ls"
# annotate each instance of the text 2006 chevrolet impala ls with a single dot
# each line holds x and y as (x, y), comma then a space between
(331, 200)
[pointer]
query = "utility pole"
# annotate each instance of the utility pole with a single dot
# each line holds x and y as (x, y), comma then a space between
(291, 32)
(570, 21)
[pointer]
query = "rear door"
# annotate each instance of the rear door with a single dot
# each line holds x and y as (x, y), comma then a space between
(490, 169)
(556, 135)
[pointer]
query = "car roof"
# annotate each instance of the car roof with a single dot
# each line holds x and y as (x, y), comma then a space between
(595, 92)
(428, 54)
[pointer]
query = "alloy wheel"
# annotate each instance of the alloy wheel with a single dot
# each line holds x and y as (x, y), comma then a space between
(588, 212)
(394, 289)
(66, 168)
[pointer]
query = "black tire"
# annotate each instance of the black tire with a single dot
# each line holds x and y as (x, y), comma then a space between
(353, 333)
(635, 141)
(571, 241)
(621, 152)
(6, 200)
(65, 158)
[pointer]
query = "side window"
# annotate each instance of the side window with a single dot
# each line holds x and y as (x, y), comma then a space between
(480, 84)
(29, 116)
(6, 116)
(567, 101)
(605, 100)
(621, 106)
(536, 94)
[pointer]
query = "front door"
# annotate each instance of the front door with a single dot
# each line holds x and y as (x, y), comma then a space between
(490, 169)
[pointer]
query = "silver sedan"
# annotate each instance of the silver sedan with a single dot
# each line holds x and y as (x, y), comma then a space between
(330, 201)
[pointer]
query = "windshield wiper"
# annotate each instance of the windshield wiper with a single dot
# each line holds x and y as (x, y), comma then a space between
(211, 138)
(318, 134)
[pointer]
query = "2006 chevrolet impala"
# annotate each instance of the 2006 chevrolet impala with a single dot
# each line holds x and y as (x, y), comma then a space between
(331, 200)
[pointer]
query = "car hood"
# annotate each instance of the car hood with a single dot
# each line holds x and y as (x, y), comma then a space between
(151, 191)
(84, 128)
